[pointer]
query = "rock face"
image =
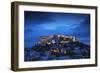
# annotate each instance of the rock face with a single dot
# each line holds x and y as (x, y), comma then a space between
(57, 47)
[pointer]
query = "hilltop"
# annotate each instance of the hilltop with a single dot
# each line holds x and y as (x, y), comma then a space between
(57, 47)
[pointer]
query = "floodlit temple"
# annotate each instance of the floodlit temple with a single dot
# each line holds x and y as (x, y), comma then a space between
(54, 39)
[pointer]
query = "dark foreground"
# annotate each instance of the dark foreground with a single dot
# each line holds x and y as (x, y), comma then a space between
(57, 52)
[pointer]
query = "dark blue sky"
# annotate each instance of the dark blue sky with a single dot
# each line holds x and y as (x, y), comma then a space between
(48, 23)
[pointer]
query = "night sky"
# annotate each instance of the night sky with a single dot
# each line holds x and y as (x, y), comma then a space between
(49, 23)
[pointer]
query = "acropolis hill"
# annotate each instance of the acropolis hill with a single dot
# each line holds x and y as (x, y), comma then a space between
(57, 47)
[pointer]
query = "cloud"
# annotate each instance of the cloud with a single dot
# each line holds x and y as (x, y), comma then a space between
(35, 18)
(47, 23)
